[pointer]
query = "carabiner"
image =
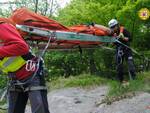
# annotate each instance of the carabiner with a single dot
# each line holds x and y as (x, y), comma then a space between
(30, 65)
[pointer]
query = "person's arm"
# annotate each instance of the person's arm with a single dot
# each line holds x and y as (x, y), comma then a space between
(14, 45)
(126, 36)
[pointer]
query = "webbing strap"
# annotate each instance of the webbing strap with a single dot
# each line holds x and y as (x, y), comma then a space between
(16, 90)
(32, 88)
(121, 29)
(35, 88)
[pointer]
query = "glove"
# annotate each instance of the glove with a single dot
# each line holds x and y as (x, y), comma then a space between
(121, 35)
(123, 38)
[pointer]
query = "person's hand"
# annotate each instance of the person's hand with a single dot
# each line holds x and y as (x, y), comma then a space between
(126, 39)
(121, 35)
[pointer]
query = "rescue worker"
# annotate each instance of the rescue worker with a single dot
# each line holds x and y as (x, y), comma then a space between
(122, 52)
(26, 77)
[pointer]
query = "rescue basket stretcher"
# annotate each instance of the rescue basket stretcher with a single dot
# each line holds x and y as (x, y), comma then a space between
(68, 38)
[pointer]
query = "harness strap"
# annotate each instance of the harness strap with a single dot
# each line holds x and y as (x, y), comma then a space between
(15, 89)
(32, 88)
(121, 29)
(35, 88)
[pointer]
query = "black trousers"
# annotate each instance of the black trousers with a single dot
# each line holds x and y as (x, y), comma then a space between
(122, 54)
(18, 98)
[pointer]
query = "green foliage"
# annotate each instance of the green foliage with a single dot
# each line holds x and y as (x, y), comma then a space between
(85, 80)
(3, 81)
(2, 111)
(98, 11)
(118, 91)
(82, 12)
(64, 63)
(128, 16)
(99, 61)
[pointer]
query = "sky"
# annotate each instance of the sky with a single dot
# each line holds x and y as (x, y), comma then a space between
(62, 3)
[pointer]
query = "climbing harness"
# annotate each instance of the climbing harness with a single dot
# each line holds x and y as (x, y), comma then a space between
(36, 66)
(119, 56)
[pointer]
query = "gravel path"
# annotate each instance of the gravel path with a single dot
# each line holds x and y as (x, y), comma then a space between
(76, 100)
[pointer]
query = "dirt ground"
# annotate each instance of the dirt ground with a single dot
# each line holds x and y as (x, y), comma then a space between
(77, 100)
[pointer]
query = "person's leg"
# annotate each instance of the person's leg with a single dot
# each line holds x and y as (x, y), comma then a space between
(131, 65)
(38, 95)
(37, 92)
(120, 72)
(38, 100)
(17, 101)
(119, 63)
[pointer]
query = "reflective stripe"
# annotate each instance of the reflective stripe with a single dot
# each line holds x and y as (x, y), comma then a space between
(35, 88)
(130, 58)
(9, 61)
(32, 88)
(11, 64)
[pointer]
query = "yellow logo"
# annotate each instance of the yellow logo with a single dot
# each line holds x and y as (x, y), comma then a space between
(144, 14)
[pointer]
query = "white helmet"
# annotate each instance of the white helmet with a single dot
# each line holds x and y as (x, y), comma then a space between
(112, 23)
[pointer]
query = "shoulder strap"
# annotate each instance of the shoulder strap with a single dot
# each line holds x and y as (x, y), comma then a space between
(121, 29)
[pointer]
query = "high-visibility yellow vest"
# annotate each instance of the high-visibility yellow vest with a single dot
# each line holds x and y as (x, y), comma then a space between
(11, 64)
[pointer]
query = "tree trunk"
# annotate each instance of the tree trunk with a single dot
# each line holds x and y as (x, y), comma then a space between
(46, 8)
(36, 6)
(51, 8)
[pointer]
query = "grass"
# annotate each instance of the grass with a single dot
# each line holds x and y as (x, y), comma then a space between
(116, 90)
(142, 83)
(84, 81)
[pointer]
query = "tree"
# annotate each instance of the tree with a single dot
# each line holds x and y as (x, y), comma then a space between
(38, 6)
(100, 11)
